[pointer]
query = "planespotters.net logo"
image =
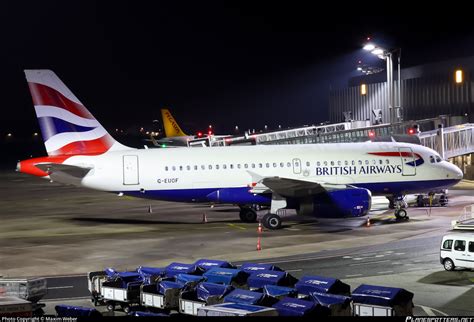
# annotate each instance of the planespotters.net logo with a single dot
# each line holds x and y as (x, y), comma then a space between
(439, 319)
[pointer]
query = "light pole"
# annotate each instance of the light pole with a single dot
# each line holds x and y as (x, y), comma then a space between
(387, 55)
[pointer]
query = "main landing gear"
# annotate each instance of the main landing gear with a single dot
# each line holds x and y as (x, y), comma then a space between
(248, 214)
(272, 221)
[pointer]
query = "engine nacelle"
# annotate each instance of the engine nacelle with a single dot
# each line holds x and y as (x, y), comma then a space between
(351, 202)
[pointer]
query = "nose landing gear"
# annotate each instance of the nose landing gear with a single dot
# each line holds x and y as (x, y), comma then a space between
(398, 204)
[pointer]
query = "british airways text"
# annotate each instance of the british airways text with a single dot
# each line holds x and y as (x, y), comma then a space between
(367, 169)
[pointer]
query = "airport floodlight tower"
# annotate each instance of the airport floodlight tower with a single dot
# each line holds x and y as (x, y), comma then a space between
(387, 55)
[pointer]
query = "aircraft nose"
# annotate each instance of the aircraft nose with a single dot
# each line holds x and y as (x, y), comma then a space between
(458, 173)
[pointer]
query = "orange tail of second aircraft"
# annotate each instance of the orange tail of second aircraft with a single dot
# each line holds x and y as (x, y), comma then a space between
(171, 126)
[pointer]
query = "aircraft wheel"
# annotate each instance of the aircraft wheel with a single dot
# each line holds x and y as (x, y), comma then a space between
(443, 200)
(248, 215)
(448, 264)
(401, 214)
(272, 221)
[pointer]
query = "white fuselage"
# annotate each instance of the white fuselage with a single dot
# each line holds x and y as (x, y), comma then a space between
(189, 174)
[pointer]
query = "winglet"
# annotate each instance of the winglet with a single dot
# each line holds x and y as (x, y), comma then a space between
(171, 126)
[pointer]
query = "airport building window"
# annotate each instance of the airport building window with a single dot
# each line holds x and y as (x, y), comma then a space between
(166, 168)
(174, 168)
(460, 245)
(188, 167)
(471, 247)
(448, 244)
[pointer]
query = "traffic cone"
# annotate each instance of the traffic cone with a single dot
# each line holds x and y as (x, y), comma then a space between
(150, 210)
(259, 244)
(260, 228)
(368, 221)
(204, 218)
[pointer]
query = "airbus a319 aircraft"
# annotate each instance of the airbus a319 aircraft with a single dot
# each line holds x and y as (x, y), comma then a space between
(324, 180)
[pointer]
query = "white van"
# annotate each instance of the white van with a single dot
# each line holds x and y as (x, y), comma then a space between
(457, 250)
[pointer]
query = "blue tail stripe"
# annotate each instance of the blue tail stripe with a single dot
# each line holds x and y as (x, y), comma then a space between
(51, 126)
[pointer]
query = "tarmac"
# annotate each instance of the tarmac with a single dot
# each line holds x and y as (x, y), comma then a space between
(49, 229)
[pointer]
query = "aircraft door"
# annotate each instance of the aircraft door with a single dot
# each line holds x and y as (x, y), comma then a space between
(296, 166)
(408, 161)
(130, 170)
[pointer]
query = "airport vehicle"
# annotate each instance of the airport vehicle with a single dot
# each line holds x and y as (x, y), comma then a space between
(466, 220)
(323, 180)
(31, 289)
(457, 250)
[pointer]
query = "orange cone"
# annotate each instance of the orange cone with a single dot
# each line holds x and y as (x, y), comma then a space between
(259, 245)
(259, 229)
(204, 218)
(368, 221)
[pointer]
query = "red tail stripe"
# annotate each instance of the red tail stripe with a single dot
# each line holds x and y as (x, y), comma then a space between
(92, 147)
(29, 166)
(44, 95)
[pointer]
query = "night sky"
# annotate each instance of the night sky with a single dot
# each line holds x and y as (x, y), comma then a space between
(222, 63)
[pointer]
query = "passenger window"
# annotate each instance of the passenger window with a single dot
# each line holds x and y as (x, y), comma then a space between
(188, 167)
(174, 168)
(260, 165)
(325, 163)
(308, 163)
(282, 164)
(471, 247)
(318, 164)
(217, 167)
(253, 165)
(180, 168)
(210, 167)
(166, 168)
(448, 244)
(288, 164)
(387, 161)
(460, 245)
(380, 161)
(224, 166)
(346, 162)
(367, 162)
(360, 162)
(267, 165)
(195, 167)
(374, 161)
(353, 162)
(238, 166)
(432, 159)
(231, 166)
(246, 166)
(274, 165)
(332, 162)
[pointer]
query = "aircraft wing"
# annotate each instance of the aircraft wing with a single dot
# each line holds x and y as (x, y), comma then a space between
(64, 173)
(294, 188)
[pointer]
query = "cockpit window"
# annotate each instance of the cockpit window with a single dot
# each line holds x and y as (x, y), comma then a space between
(432, 159)
(438, 158)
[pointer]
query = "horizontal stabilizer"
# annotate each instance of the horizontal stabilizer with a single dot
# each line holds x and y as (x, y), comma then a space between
(64, 173)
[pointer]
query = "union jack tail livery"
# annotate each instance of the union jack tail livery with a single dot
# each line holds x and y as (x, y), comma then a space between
(68, 128)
